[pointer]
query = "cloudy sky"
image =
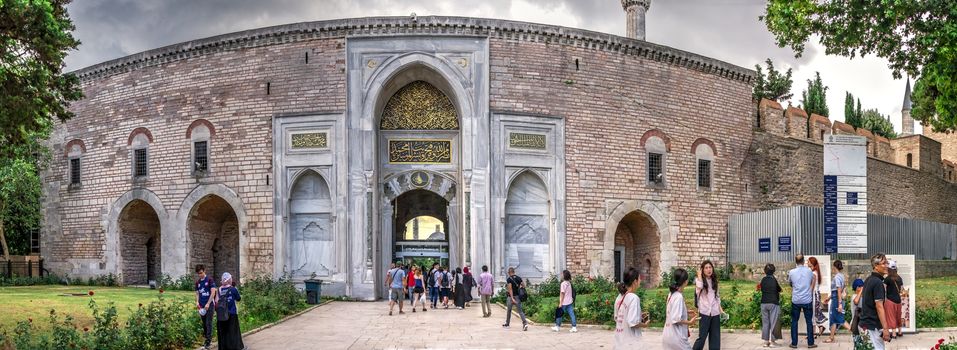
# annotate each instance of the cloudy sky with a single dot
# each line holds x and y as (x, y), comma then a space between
(728, 30)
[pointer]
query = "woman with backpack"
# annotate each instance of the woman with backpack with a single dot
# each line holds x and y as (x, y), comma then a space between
(628, 315)
(227, 316)
(675, 334)
(443, 279)
(566, 303)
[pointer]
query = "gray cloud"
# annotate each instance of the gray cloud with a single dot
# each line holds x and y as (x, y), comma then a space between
(114, 28)
(727, 30)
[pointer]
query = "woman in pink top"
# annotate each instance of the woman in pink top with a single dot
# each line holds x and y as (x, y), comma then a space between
(566, 302)
(709, 307)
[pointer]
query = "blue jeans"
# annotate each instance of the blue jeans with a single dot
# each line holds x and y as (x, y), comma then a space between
(433, 295)
(795, 315)
(570, 311)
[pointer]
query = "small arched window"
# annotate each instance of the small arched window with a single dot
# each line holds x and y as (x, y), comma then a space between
(910, 160)
(657, 145)
(75, 150)
(704, 156)
(200, 134)
(139, 142)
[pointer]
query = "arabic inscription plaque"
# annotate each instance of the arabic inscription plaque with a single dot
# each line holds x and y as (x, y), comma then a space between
(420, 151)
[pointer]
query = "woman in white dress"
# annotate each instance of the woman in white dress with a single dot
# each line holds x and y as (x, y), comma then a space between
(675, 334)
(628, 316)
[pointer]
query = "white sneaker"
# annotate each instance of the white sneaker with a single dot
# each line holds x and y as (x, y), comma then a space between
(574, 330)
(555, 328)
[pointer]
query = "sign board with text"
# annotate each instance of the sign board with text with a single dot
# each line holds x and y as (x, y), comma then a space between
(845, 194)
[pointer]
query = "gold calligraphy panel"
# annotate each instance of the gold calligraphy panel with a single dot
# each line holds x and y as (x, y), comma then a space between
(529, 141)
(419, 106)
(310, 140)
(420, 151)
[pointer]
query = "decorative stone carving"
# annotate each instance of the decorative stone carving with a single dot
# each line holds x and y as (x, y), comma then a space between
(526, 229)
(419, 106)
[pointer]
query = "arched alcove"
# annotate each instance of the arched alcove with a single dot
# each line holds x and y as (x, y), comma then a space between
(311, 233)
(527, 231)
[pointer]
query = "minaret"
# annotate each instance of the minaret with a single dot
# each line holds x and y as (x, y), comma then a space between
(635, 14)
(907, 123)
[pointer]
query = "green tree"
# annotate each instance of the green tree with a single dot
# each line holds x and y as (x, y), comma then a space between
(849, 116)
(773, 86)
(878, 124)
(34, 38)
(916, 37)
(814, 98)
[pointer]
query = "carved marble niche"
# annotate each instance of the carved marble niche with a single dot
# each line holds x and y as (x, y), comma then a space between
(526, 226)
(311, 230)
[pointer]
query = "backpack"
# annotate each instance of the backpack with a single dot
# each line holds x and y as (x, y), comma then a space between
(521, 293)
(222, 310)
(572, 286)
(430, 279)
(445, 280)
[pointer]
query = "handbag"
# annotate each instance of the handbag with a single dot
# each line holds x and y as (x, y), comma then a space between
(559, 312)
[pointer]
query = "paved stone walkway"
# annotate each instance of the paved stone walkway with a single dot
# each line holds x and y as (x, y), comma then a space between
(366, 325)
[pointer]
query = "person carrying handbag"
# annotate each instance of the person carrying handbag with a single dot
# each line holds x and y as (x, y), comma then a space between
(516, 295)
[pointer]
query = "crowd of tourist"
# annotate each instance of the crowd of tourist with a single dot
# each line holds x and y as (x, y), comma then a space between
(878, 304)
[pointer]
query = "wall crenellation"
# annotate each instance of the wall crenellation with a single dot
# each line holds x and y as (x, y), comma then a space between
(914, 151)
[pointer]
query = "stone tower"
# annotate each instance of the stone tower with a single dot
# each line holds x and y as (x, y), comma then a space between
(635, 13)
(907, 123)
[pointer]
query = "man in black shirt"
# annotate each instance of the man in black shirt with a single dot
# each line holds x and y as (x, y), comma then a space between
(512, 285)
(873, 317)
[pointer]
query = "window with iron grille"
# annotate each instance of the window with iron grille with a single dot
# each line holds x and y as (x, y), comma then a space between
(200, 157)
(75, 171)
(140, 163)
(655, 168)
(704, 173)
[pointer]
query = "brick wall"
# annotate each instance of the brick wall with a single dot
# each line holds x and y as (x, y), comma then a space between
(228, 89)
(608, 102)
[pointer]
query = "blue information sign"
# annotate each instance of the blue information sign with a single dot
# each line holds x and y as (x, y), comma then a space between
(784, 244)
(830, 213)
(764, 245)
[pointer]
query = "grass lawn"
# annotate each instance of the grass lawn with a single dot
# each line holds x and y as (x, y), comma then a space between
(21, 303)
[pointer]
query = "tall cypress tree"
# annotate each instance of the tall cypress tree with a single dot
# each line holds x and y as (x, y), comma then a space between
(849, 116)
(814, 99)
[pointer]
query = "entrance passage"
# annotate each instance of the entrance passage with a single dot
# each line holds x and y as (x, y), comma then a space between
(139, 243)
(639, 246)
(421, 228)
(214, 232)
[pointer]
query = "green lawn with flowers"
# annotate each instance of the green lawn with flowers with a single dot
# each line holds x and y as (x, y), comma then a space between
(35, 302)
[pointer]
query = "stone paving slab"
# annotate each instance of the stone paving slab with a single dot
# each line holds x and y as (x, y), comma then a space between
(367, 325)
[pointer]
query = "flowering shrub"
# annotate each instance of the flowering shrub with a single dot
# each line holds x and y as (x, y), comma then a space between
(952, 345)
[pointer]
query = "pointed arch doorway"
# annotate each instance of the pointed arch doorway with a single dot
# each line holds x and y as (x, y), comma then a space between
(419, 166)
